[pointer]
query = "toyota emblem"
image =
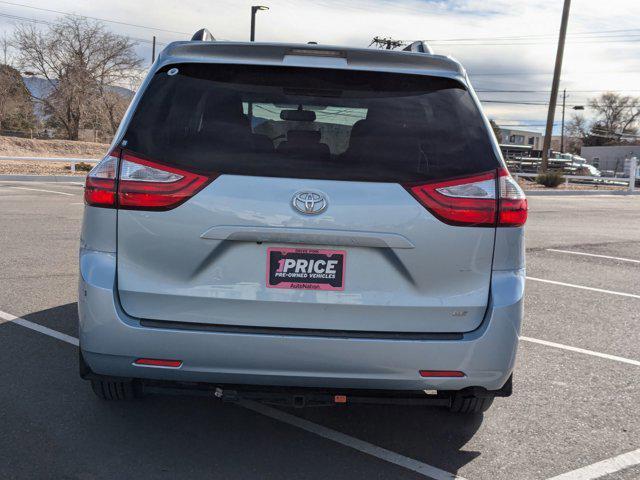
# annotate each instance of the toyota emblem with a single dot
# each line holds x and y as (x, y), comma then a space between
(310, 203)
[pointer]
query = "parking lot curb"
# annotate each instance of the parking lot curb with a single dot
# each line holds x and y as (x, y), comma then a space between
(43, 178)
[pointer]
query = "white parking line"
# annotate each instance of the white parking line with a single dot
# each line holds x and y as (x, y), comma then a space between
(581, 350)
(7, 317)
(571, 252)
(612, 292)
(346, 440)
(603, 468)
(42, 190)
(351, 442)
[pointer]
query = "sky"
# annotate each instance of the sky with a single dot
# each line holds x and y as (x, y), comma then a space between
(508, 47)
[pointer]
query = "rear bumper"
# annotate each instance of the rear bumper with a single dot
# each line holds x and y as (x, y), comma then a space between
(111, 340)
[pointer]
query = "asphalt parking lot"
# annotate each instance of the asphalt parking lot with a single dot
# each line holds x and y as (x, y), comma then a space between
(575, 408)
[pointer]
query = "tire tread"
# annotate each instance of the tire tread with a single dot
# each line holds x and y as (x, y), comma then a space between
(114, 390)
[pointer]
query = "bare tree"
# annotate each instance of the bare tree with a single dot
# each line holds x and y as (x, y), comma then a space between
(496, 130)
(82, 62)
(578, 127)
(617, 115)
(16, 106)
(5, 47)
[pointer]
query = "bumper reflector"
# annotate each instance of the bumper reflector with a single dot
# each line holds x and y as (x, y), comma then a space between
(340, 399)
(441, 373)
(153, 362)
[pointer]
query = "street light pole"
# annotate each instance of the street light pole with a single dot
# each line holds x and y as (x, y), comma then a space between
(554, 86)
(254, 10)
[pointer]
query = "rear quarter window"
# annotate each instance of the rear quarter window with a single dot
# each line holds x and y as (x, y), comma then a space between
(310, 123)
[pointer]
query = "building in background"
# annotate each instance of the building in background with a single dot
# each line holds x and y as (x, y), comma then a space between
(611, 157)
(519, 137)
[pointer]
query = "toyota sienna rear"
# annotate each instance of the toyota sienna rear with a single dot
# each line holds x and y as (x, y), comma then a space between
(304, 225)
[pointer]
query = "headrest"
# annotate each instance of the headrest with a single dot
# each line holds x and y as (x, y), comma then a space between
(303, 136)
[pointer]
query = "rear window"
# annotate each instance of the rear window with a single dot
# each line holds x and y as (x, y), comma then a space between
(310, 123)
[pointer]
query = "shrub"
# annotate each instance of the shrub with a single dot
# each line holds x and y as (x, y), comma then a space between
(550, 179)
(80, 167)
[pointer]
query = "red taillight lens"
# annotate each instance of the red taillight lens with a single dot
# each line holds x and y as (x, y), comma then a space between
(147, 185)
(469, 201)
(100, 185)
(473, 201)
(141, 185)
(513, 202)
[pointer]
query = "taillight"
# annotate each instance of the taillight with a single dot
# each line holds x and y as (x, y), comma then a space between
(473, 201)
(469, 201)
(513, 207)
(100, 185)
(141, 184)
(147, 185)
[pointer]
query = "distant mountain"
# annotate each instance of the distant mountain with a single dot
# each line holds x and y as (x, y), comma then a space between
(38, 87)
(41, 87)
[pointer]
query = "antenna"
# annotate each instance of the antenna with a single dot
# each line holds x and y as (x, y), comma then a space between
(203, 35)
(387, 43)
(419, 46)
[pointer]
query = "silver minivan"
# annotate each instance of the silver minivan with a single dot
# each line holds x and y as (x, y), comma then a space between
(303, 225)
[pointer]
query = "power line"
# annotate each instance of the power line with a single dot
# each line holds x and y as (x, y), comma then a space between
(498, 74)
(45, 22)
(542, 35)
(516, 44)
(549, 91)
(92, 18)
(544, 104)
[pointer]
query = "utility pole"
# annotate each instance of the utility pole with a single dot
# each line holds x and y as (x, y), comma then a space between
(554, 86)
(564, 102)
(153, 50)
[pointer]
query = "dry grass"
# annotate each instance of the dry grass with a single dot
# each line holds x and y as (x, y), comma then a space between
(25, 147)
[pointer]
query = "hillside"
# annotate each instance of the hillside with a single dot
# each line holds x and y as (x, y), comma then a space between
(26, 147)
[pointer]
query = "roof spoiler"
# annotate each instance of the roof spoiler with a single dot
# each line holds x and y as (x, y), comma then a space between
(418, 47)
(203, 35)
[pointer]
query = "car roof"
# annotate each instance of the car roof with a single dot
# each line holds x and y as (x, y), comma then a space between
(311, 55)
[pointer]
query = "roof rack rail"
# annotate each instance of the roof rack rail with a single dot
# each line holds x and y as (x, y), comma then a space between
(203, 35)
(419, 46)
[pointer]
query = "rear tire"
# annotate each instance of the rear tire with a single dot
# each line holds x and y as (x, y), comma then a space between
(469, 404)
(115, 390)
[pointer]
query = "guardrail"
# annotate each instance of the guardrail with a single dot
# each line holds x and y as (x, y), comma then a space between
(71, 160)
(630, 181)
(603, 181)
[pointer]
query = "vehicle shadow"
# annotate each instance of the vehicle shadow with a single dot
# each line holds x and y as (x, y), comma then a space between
(198, 425)
(63, 318)
(432, 435)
